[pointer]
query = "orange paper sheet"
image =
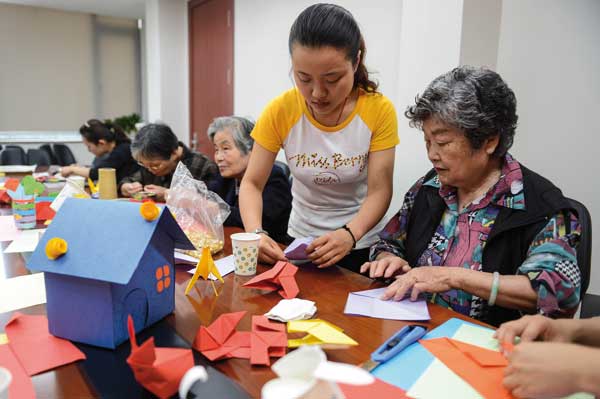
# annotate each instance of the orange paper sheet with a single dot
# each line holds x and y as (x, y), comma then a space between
(21, 386)
(36, 349)
(481, 368)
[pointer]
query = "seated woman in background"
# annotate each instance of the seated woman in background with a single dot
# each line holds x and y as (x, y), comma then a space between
(231, 137)
(505, 236)
(566, 362)
(111, 147)
(157, 149)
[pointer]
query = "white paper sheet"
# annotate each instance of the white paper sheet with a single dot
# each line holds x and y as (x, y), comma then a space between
(225, 266)
(25, 242)
(22, 292)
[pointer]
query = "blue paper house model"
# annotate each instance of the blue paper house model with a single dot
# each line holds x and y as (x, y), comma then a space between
(117, 264)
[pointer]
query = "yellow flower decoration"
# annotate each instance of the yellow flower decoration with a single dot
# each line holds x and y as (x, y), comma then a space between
(149, 210)
(56, 247)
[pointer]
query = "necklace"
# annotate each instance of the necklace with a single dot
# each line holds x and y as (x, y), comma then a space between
(339, 115)
(482, 192)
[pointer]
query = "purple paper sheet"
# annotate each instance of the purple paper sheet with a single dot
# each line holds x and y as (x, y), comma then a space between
(297, 249)
(367, 303)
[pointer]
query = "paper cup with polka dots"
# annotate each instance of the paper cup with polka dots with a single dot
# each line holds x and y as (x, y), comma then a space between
(245, 252)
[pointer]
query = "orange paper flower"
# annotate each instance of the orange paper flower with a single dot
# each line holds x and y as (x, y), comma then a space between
(149, 210)
(56, 247)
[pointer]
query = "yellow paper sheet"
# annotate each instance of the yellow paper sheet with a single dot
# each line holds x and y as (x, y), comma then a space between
(3, 339)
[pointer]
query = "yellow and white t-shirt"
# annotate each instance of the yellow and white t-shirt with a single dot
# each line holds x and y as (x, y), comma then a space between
(328, 164)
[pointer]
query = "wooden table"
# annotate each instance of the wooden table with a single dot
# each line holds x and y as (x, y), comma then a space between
(329, 288)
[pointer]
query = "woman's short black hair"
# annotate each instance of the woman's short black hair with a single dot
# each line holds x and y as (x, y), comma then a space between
(154, 141)
(95, 130)
(322, 25)
(474, 100)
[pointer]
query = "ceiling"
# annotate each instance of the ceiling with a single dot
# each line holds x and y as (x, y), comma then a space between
(114, 8)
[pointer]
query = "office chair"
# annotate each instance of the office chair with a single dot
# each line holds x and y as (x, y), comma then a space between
(48, 150)
(12, 156)
(64, 156)
(590, 305)
(38, 157)
(283, 166)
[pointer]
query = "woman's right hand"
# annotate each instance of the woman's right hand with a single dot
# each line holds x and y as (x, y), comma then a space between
(268, 250)
(128, 189)
(532, 328)
(386, 265)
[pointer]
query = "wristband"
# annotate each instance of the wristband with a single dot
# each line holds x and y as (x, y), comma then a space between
(495, 287)
(345, 227)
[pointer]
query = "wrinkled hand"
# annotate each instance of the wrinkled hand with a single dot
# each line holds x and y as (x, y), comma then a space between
(66, 171)
(128, 189)
(543, 370)
(531, 328)
(420, 279)
(330, 248)
(386, 265)
(160, 191)
(268, 250)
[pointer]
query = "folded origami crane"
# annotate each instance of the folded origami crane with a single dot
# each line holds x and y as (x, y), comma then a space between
(481, 368)
(220, 340)
(319, 332)
(281, 277)
(159, 370)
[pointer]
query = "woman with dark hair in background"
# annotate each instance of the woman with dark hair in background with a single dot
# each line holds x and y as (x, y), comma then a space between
(111, 147)
(481, 233)
(338, 134)
(158, 151)
(231, 138)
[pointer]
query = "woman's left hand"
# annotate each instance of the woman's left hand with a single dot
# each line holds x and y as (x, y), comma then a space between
(420, 279)
(330, 248)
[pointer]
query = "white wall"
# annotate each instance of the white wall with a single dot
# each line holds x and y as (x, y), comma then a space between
(549, 53)
(167, 65)
(59, 69)
(429, 46)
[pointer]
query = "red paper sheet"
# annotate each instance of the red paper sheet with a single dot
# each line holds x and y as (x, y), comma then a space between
(377, 390)
(481, 368)
(21, 386)
(36, 349)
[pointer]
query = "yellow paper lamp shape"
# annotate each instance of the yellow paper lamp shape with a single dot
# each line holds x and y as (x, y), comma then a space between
(56, 247)
(206, 265)
(149, 210)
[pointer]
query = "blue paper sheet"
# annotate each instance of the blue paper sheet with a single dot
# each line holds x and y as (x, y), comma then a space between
(404, 369)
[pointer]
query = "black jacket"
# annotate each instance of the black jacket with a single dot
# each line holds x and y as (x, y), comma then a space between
(119, 158)
(512, 234)
(277, 203)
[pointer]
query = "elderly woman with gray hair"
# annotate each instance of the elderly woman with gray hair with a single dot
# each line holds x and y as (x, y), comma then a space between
(480, 233)
(233, 144)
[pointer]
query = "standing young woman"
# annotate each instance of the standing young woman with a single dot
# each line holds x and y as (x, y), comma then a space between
(111, 147)
(338, 134)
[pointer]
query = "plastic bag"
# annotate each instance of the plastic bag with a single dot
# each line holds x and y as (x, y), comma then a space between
(199, 212)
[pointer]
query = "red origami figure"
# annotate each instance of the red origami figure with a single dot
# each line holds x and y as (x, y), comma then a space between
(281, 277)
(159, 370)
(220, 340)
